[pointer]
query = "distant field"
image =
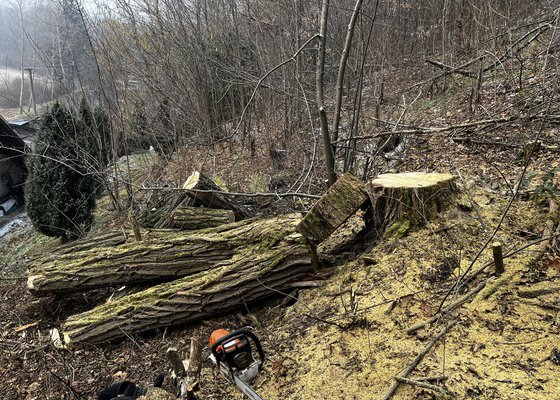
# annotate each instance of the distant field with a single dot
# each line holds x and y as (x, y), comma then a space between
(9, 74)
(10, 81)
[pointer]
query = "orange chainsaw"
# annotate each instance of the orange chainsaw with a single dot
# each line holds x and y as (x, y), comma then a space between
(233, 355)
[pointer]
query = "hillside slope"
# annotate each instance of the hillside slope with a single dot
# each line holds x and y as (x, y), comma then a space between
(347, 339)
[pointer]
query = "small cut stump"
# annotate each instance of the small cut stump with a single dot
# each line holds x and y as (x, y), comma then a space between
(408, 199)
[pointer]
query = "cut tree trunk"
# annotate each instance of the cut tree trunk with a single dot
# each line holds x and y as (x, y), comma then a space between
(67, 252)
(210, 195)
(158, 207)
(255, 272)
(409, 199)
(159, 257)
(111, 239)
(339, 203)
(193, 218)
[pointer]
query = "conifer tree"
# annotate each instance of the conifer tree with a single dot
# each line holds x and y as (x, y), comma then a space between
(97, 134)
(60, 193)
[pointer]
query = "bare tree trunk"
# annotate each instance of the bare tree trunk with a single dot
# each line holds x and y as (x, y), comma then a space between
(329, 155)
(60, 60)
(30, 70)
(342, 69)
(20, 10)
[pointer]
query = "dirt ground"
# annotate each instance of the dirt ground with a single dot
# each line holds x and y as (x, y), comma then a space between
(348, 338)
(502, 346)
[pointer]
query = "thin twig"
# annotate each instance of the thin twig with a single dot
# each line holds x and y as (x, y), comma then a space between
(449, 308)
(428, 130)
(498, 226)
(547, 306)
(404, 373)
(257, 194)
(421, 384)
(289, 60)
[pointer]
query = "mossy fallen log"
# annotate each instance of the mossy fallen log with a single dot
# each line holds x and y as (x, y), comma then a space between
(110, 239)
(193, 218)
(404, 200)
(208, 194)
(161, 256)
(254, 272)
(339, 203)
(67, 252)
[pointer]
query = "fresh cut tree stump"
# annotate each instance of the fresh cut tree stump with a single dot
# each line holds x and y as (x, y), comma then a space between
(339, 203)
(207, 194)
(193, 218)
(255, 272)
(161, 256)
(400, 201)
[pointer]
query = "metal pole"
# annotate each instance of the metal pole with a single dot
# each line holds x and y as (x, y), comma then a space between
(30, 70)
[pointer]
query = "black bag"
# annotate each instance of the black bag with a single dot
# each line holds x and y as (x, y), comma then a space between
(122, 391)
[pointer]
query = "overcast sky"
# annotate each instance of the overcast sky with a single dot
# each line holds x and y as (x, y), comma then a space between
(91, 5)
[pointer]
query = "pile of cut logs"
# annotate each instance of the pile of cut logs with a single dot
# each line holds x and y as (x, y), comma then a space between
(207, 256)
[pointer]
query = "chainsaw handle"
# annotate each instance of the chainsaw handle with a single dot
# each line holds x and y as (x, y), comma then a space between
(236, 335)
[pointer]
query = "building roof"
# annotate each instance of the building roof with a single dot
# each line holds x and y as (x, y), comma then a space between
(22, 121)
(17, 121)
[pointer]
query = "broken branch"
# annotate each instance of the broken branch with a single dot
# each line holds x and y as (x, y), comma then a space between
(392, 390)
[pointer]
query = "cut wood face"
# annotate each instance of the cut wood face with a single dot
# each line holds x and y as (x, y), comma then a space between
(405, 200)
(208, 194)
(411, 180)
(192, 180)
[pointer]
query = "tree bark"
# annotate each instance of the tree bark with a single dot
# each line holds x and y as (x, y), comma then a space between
(111, 239)
(68, 252)
(342, 70)
(206, 192)
(253, 273)
(408, 199)
(159, 257)
(193, 218)
(320, 95)
(334, 208)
